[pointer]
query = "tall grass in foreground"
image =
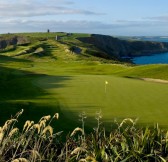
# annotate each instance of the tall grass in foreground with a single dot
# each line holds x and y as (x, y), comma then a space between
(37, 142)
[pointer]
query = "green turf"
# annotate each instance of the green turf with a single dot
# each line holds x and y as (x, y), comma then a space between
(122, 98)
(70, 84)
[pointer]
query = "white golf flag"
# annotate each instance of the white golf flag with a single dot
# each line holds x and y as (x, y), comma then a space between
(106, 82)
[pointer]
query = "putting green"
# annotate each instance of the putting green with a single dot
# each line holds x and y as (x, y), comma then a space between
(121, 98)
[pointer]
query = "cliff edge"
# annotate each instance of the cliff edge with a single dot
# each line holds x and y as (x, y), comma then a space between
(124, 48)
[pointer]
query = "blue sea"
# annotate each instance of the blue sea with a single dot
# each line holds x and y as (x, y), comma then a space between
(153, 59)
(161, 58)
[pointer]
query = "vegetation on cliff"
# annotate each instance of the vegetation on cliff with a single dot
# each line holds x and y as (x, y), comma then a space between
(115, 47)
(102, 46)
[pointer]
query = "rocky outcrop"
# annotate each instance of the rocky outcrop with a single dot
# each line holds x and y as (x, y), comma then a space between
(123, 48)
(22, 41)
(14, 40)
(75, 49)
(7, 42)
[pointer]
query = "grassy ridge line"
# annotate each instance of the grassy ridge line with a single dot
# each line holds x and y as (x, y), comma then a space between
(156, 71)
(68, 41)
(45, 35)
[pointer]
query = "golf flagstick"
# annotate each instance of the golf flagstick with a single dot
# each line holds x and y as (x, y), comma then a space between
(105, 88)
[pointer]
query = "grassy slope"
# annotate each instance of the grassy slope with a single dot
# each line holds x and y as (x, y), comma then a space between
(71, 84)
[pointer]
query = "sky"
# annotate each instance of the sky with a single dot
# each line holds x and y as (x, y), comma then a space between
(109, 17)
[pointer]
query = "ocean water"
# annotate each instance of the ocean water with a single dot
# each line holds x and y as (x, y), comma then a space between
(161, 58)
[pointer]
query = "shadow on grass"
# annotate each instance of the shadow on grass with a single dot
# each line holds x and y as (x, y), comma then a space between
(48, 49)
(18, 92)
(11, 59)
(16, 84)
(34, 111)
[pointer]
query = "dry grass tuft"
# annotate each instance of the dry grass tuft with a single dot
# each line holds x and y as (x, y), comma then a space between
(77, 130)
(56, 116)
(47, 129)
(35, 155)
(27, 125)
(1, 134)
(20, 160)
(7, 124)
(36, 142)
(125, 121)
(13, 131)
(19, 113)
(78, 150)
(45, 118)
(42, 124)
(37, 126)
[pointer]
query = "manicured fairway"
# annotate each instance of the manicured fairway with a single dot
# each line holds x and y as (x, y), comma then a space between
(122, 98)
(71, 88)
(70, 84)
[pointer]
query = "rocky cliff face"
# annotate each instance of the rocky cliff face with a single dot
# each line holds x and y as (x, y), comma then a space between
(15, 40)
(7, 42)
(122, 48)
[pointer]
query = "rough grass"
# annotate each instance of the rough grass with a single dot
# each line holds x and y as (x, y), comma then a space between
(38, 141)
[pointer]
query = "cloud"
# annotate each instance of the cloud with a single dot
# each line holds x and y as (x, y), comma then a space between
(114, 28)
(119, 27)
(24, 25)
(32, 8)
(145, 22)
(141, 27)
(158, 18)
(71, 25)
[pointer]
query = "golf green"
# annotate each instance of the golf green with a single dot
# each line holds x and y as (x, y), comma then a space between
(115, 97)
